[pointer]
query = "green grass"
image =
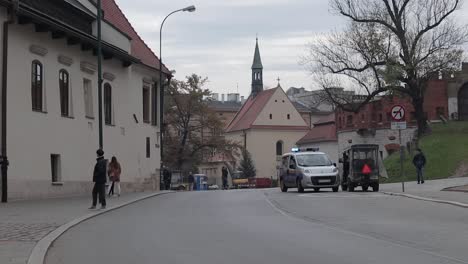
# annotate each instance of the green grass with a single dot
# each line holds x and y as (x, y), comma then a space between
(445, 149)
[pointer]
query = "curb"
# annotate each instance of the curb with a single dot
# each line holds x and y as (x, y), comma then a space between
(40, 249)
(463, 205)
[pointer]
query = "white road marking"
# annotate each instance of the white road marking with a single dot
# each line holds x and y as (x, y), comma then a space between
(343, 195)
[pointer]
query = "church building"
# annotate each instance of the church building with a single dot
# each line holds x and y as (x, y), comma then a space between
(268, 124)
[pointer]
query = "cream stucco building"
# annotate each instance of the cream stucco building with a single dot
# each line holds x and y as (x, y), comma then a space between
(267, 124)
(51, 106)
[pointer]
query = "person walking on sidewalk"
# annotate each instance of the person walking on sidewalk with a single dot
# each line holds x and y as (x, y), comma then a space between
(191, 181)
(419, 162)
(167, 174)
(114, 176)
(225, 178)
(99, 179)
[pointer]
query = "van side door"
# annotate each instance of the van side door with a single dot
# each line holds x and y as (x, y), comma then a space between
(284, 168)
(292, 167)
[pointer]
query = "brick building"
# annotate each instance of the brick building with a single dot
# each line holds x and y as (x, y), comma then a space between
(372, 123)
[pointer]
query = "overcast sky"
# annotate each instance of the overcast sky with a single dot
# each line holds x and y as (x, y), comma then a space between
(218, 39)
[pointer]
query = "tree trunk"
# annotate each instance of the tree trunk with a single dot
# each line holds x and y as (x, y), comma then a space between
(418, 104)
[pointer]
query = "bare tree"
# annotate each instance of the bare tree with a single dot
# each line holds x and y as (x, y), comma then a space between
(388, 46)
(192, 127)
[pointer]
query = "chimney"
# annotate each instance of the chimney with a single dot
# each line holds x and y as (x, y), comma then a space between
(215, 96)
(242, 100)
(233, 97)
(222, 97)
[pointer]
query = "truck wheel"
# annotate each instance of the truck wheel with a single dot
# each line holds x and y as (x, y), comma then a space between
(375, 188)
(335, 189)
(344, 187)
(299, 186)
(365, 188)
(283, 187)
(350, 187)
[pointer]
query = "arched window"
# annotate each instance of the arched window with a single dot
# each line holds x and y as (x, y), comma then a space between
(108, 104)
(37, 74)
(64, 85)
(279, 148)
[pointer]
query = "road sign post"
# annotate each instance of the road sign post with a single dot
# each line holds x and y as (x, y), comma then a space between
(398, 115)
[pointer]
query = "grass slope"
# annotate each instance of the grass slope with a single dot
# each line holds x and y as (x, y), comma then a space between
(445, 149)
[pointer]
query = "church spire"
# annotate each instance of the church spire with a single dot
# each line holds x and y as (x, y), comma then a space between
(257, 61)
(257, 71)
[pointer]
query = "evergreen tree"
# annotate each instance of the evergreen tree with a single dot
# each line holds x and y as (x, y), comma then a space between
(247, 166)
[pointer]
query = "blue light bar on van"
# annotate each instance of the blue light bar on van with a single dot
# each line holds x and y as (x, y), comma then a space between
(295, 149)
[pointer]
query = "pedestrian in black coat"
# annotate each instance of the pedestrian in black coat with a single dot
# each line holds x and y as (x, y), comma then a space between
(419, 162)
(100, 179)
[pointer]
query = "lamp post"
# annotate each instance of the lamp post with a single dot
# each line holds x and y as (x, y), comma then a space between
(161, 82)
(99, 55)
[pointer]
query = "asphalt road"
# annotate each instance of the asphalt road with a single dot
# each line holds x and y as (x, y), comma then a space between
(267, 226)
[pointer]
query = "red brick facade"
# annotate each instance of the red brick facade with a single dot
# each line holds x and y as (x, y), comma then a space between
(376, 114)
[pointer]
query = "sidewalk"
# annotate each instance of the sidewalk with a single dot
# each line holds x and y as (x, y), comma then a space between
(431, 189)
(24, 223)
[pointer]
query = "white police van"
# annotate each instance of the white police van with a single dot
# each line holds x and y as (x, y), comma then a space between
(308, 169)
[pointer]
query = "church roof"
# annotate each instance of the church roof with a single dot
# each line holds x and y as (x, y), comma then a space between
(321, 133)
(114, 15)
(329, 119)
(257, 61)
(250, 110)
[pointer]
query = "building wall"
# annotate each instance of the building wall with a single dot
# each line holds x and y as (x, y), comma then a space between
(34, 136)
(262, 146)
(329, 147)
(279, 107)
(436, 99)
(112, 35)
(382, 137)
(454, 84)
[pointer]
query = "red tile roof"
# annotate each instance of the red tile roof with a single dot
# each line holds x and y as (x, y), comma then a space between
(114, 15)
(322, 133)
(249, 111)
(327, 119)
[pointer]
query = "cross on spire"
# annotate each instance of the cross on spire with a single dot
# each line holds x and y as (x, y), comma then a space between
(278, 80)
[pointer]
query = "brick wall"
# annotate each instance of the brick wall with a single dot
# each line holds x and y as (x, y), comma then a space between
(376, 114)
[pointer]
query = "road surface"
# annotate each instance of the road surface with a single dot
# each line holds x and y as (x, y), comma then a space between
(267, 226)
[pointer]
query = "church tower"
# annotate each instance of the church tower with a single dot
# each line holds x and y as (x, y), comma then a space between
(257, 72)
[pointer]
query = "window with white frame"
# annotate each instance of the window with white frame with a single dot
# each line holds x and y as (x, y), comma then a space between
(88, 98)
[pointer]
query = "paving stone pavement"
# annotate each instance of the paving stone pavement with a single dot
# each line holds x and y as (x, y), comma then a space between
(24, 223)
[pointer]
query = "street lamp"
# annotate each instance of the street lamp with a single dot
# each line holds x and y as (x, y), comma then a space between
(161, 84)
(99, 55)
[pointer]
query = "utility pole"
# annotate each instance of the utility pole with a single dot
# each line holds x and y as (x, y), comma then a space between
(99, 55)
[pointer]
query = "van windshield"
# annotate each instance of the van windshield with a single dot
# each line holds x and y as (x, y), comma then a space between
(312, 160)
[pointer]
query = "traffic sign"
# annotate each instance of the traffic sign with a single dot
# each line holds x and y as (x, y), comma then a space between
(398, 113)
(398, 125)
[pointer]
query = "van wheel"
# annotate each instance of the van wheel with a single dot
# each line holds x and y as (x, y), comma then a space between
(350, 187)
(344, 187)
(299, 186)
(375, 187)
(365, 188)
(283, 187)
(335, 189)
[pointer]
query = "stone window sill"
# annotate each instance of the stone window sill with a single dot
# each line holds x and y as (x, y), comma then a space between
(40, 111)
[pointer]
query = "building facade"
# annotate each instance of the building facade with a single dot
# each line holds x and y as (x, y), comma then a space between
(52, 98)
(268, 124)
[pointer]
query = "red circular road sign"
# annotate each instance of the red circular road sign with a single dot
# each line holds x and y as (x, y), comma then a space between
(398, 113)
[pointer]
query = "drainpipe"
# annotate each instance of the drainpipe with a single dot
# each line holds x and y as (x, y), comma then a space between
(4, 158)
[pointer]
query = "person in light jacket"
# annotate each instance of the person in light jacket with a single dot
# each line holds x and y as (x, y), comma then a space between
(114, 175)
